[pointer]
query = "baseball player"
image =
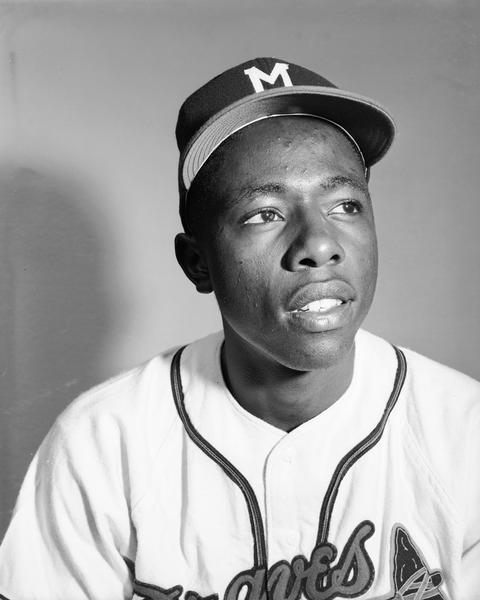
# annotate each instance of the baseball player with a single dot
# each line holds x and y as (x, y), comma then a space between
(292, 455)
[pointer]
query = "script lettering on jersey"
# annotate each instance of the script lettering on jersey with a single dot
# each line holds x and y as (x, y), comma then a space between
(317, 579)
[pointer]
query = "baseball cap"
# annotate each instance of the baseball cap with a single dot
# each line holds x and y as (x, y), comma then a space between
(265, 88)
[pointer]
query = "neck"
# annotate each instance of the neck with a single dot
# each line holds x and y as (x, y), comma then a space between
(279, 395)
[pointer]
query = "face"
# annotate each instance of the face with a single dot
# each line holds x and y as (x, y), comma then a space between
(288, 241)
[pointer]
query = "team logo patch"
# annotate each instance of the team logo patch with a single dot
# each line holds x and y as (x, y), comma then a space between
(258, 77)
(412, 579)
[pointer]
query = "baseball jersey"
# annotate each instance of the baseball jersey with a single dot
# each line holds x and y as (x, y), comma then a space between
(158, 485)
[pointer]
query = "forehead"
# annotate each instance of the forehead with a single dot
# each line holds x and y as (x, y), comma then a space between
(283, 148)
(286, 130)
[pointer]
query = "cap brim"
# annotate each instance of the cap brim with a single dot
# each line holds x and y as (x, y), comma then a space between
(367, 122)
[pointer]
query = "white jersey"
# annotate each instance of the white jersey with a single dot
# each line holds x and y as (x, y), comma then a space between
(140, 492)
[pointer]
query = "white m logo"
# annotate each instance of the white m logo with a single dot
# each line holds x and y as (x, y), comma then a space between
(257, 76)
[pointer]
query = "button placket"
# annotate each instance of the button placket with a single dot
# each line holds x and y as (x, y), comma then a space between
(280, 496)
(288, 454)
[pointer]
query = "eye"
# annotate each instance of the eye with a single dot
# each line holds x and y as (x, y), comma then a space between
(349, 207)
(263, 216)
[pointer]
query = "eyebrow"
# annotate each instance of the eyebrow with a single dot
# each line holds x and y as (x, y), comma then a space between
(327, 185)
(250, 191)
(332, 183)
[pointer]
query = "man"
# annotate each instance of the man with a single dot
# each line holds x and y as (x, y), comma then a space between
(293, 455)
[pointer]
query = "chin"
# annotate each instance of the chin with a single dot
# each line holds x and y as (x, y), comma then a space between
(316, 350)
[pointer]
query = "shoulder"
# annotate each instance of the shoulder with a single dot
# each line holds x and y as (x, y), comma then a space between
(443, 413)
(435, 391)
(438, 418)
(139, 395)
(441, 397)
(443, 426)
(123, 403)
(440, 424)
(122, 423)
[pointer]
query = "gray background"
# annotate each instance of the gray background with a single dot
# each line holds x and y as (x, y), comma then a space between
(89, 94)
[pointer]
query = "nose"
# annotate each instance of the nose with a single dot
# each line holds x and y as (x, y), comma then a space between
(316, 244)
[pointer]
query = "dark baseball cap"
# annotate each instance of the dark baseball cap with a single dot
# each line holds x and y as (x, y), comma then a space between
(269, 87)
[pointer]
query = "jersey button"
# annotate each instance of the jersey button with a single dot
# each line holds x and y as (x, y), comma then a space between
(291, 539)
(288, 455)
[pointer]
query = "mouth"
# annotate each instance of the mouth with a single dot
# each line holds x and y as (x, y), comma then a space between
(321, 307)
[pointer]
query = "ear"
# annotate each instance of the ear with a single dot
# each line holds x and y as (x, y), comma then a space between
(191, 260)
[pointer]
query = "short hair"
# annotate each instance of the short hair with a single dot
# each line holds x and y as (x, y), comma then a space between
(202, 187)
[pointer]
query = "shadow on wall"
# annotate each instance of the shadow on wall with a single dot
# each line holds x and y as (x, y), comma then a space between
(53, 314)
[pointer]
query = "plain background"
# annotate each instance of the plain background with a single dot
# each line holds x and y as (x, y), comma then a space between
(89, 93)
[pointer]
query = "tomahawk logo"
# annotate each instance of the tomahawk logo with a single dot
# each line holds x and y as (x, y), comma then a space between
(257, 77)
(412, 578)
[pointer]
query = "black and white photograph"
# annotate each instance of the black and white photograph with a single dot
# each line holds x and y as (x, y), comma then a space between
(239, 300)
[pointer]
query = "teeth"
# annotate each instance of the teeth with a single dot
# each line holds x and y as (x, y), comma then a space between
(321, 305)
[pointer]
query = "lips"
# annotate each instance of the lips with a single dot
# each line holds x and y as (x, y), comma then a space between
(321, 296)
(322, 307)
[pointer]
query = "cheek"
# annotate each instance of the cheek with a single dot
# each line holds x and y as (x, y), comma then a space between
(360, 245)
(240, 279)
(367, 253)
(368, 243)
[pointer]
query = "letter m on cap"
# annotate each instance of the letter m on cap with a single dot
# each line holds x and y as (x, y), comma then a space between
(257, 77)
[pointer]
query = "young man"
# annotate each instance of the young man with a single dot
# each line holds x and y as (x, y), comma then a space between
(292, 455)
